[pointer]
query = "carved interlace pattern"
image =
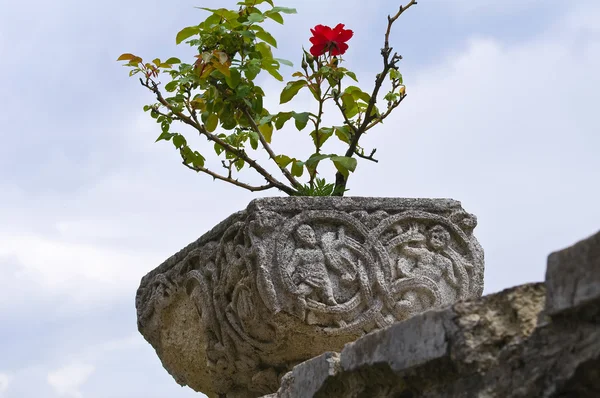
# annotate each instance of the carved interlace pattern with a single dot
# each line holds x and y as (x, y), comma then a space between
(338, 272)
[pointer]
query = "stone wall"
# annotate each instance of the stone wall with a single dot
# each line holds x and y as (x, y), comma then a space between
(535, 340)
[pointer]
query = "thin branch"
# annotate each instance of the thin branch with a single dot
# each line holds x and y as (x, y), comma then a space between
(202, 130)
(393, 19)
(370, 157)
(267, 147)
(190, 109)
(340, 180)
(229, 179)
(341, 108)
(386, 113)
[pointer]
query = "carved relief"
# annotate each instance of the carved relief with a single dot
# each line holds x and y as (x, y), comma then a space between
(338, 272)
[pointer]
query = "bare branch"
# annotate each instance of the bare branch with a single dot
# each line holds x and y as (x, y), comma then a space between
(229, 179)
(370, 157)
(393, 19)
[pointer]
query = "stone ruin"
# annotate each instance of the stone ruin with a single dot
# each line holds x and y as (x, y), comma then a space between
(367, 297)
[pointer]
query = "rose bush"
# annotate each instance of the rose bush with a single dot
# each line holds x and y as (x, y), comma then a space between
(217, 96)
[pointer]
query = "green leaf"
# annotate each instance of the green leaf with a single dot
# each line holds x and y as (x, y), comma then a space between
(234, 78)
(350, 106)
(255, 17)
(266, 36)
(284, 61)
(171, 86)
(211, 22)
(352, 75)
(252, 69)
(297, 168)
(324, 134)
(211, 122)
(282, 117)
(273, 72)
(164, 136)
(254, 139)
(275, 16)
(357, 94)
(395, 74)
(314, 160)
(186, 33)
(239, 164)
(179, 141)
(284, 10)
(267, 131)
(290, 90)
(343, 133)
(264, 50)
(282, 160)
(229, 15)
(301, 119)
(344, 164)
(266, 119)
(172, 61)
(197, 159)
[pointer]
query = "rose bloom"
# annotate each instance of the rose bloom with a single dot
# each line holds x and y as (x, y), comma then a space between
(325, 40)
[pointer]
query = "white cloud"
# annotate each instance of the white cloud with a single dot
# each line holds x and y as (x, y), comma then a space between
(511, 130)
(68, 380)
(489, 7)
(82, 272)
(506, 128)
(5, 380)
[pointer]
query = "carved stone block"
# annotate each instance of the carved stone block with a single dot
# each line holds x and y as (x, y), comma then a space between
(290, 278)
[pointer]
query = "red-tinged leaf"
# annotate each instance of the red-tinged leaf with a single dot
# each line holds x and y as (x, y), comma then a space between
(135, 61)
(126, 57)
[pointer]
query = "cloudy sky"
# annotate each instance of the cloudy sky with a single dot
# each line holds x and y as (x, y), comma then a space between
(502, 114)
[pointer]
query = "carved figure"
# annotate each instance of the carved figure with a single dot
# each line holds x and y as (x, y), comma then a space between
(433, 257)
(310, 262)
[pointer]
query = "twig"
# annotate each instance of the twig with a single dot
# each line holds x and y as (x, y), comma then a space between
(340, 180)
(229, 179)
(267, 147)
(393, 19)
(386, 113)
(370, 157)
(202, 130)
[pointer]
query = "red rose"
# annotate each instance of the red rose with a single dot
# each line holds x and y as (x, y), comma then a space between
(325, 40)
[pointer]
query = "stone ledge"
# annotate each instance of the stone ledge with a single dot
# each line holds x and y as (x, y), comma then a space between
(287, 279)
(573, 276)
(535, 340)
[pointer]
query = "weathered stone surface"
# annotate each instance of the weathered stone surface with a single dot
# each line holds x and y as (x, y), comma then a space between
(290, 278)
(522, 342)
(573, 275)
